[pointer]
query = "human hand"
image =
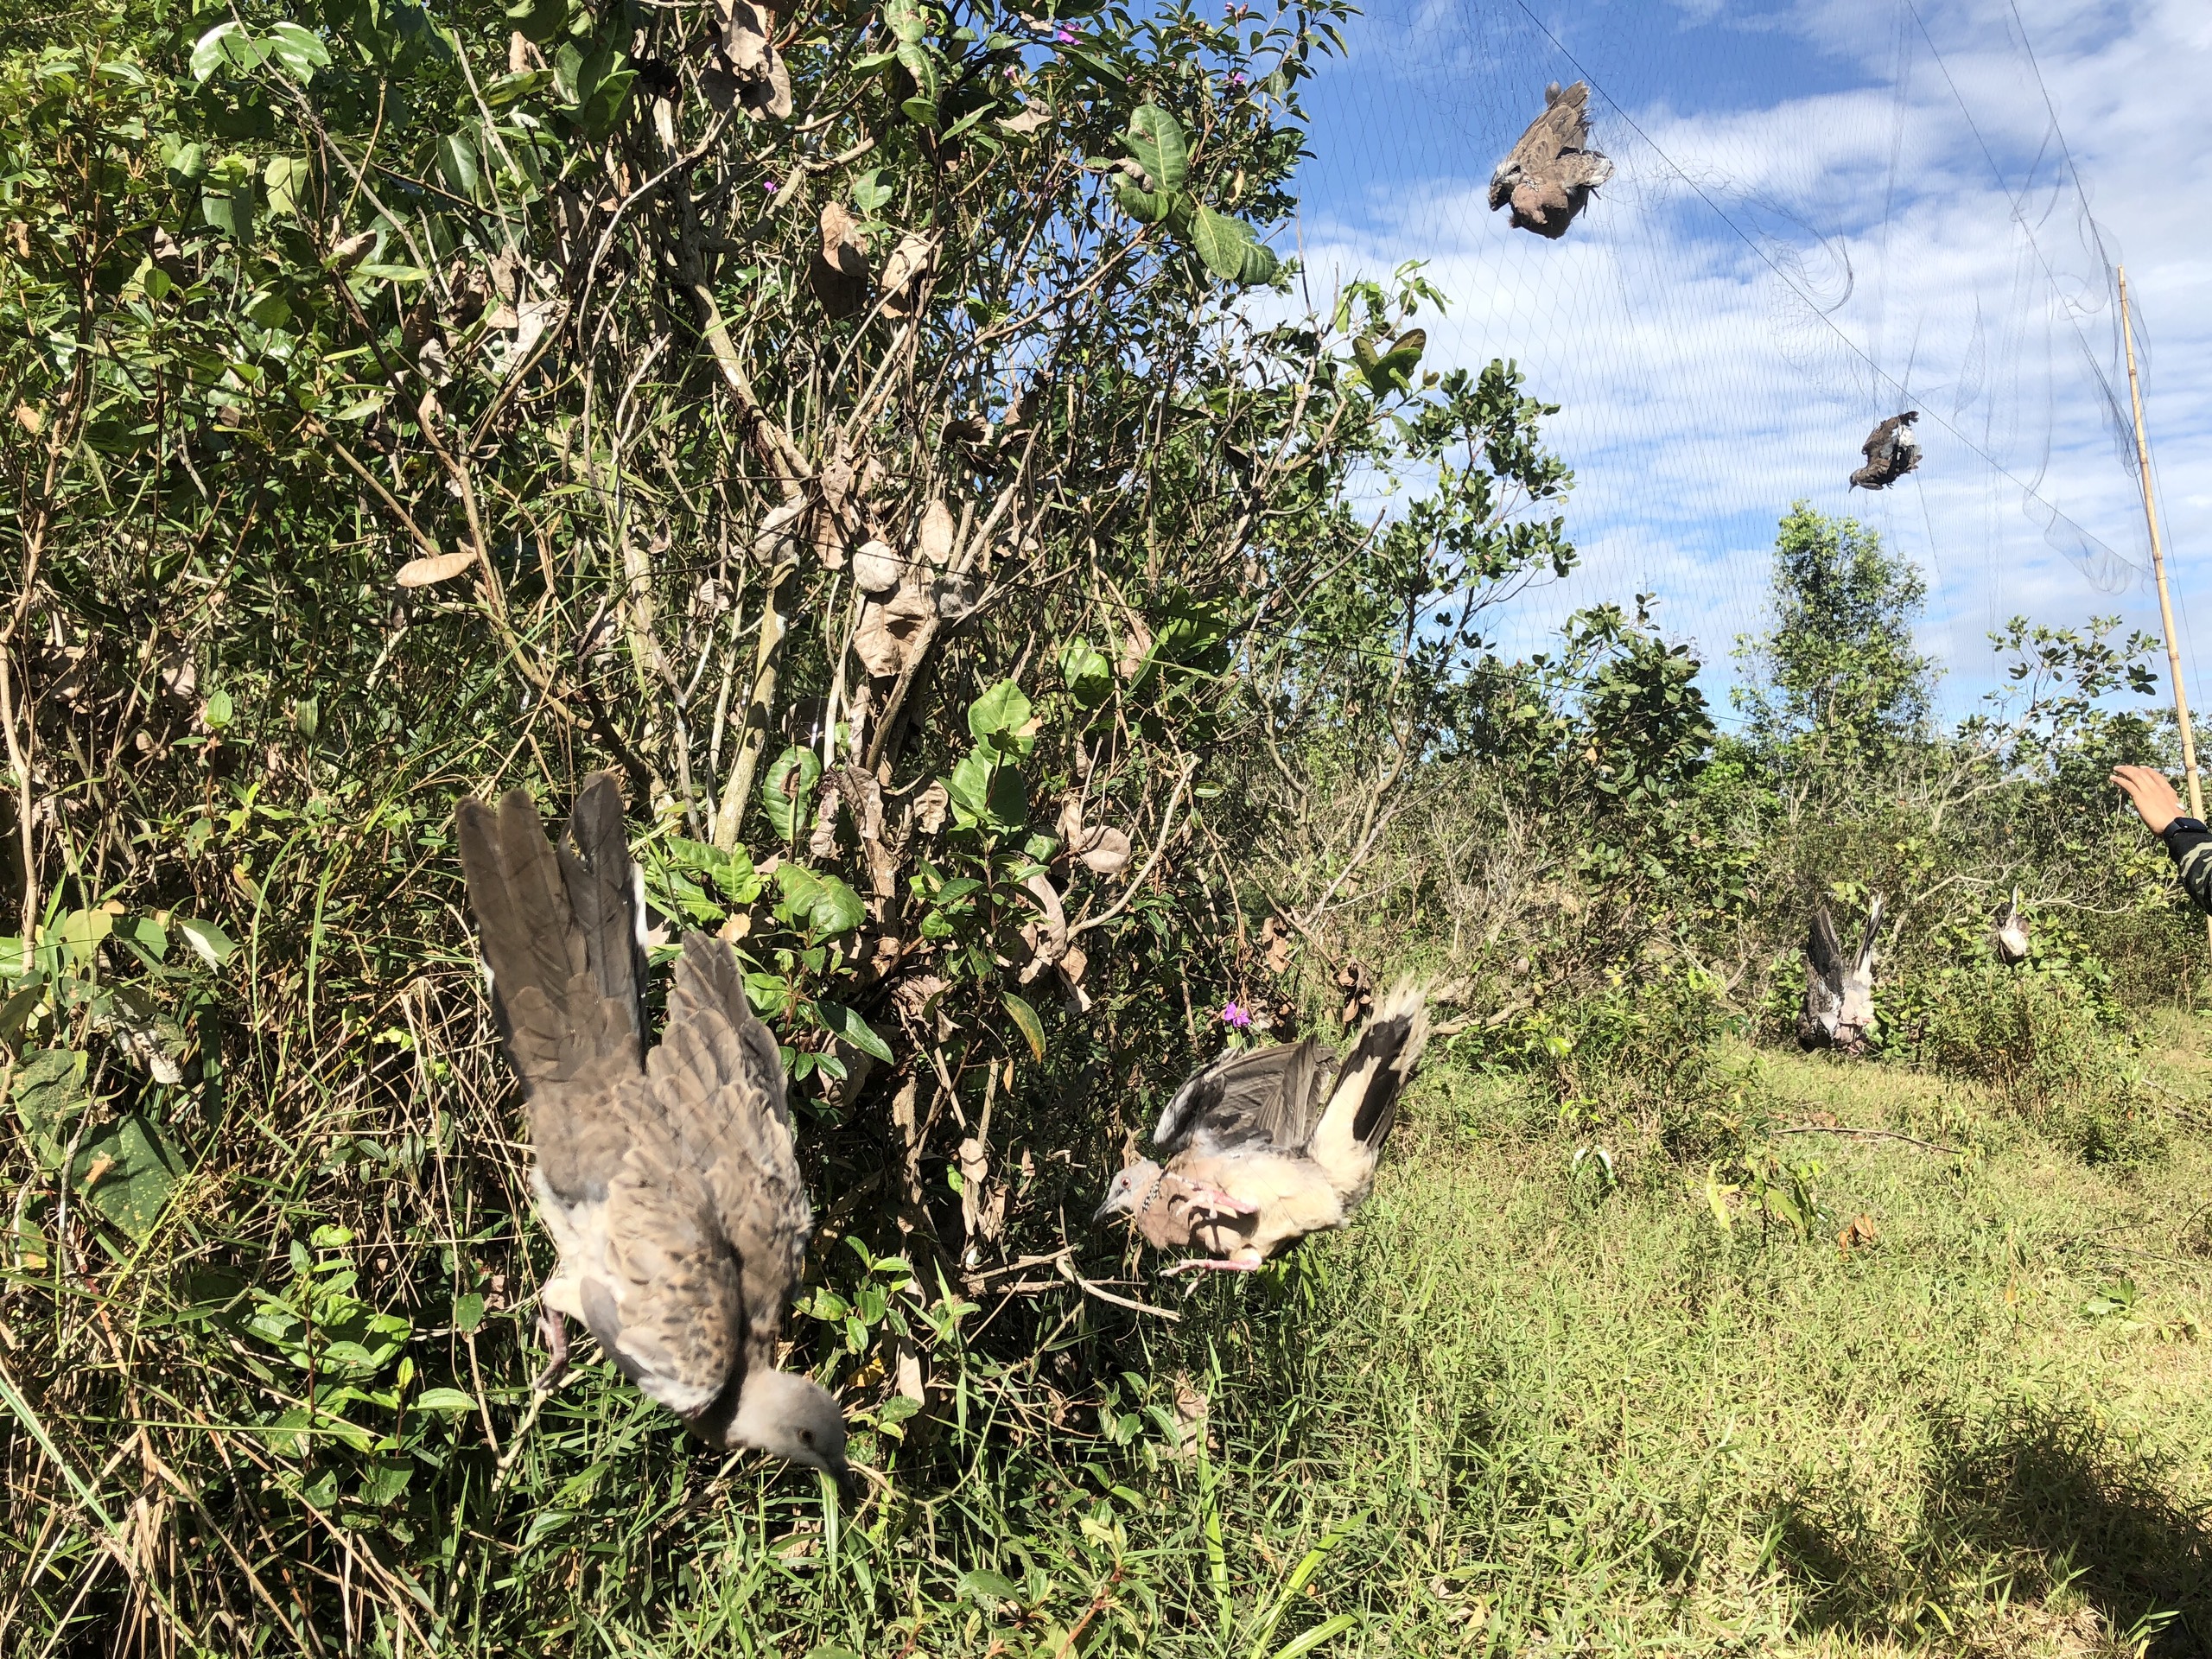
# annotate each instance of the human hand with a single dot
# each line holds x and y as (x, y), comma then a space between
(2150, 793)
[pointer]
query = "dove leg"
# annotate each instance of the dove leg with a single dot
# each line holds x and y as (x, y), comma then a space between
(554, 1329)
(1216, 1201)
(1207, 1264)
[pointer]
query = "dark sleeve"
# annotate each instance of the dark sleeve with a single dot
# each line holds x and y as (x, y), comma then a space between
(2190, 844)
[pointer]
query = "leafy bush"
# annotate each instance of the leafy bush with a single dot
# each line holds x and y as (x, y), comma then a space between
(2046, 1044)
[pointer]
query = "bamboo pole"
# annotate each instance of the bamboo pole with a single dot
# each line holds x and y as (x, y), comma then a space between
(2159, 571)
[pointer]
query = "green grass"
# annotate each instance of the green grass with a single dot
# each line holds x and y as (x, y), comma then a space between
(1537, 1418)
(1507, 1412)
(1602, 1424)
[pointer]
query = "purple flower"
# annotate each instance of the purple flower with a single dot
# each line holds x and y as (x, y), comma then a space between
(1064, 36)
(1236, 79)
(1235, 1018)
(769, 185)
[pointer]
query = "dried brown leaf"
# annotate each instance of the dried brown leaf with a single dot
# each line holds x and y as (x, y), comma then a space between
(431, 568)
(837, 270)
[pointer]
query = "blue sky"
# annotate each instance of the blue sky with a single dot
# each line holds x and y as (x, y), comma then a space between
(1823, 211)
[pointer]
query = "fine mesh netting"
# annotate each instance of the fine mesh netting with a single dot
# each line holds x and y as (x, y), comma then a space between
(1809, 228)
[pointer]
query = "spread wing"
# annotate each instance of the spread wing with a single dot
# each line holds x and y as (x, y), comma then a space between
(558, 928)
(1268, 1095)
(707, 1224)
(719, 1076)
(1823, 950)
(1862, 967)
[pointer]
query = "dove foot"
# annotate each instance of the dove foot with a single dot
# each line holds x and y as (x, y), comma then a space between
(1207, 1264)
(1216, 1201)
(553, 1330)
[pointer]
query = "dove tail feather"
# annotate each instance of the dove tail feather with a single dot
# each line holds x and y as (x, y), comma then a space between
(558, 928)
(1363, 1106)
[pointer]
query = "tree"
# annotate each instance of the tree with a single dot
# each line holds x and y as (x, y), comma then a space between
(1836, 689)
(848, 423)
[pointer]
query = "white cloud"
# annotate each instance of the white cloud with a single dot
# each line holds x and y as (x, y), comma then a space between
(1707, 324)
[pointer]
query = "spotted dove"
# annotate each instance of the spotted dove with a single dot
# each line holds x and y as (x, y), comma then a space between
(1892, 451)
(2010, 936)
(667, 1177)
(1265, 1146)
(1550, 173)
(1839, 1006)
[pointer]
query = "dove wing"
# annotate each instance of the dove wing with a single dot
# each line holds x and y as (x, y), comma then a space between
(1263, 1096)
(558, 928)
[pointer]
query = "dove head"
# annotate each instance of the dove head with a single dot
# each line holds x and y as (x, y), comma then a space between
(1136, 1183)
(792, 1417)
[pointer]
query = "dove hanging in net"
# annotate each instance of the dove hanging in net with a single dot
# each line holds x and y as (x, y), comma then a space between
(667, 1177)
(1265, 1146)
(1548, 177)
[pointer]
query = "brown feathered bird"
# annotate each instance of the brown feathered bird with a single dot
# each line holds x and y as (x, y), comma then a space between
(1549, 174)
(1892, 451)
(667, 1177)
(1268, 1145)
(2009, 938)
(1839, 1006)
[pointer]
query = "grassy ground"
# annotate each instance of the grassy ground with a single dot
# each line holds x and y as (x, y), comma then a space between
(1514, 1412)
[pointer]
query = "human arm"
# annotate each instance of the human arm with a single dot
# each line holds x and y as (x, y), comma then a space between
(2188, 841)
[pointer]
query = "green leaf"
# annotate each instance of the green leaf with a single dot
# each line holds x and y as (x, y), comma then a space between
(999, 720)
(230, 210)
(300, 52)
(1328, 1630)
(821, 906)
(47, 1093)
(225, 43)
(511, 89)
(732, 872)
(284, 178)
(269, 310)
(142, 1169)
(1146, 206)
(385, 1482)
(785, 789)
(1157, 142)
(468, 1311)
(1392, 370)
(1025, 1019)
(987, 794)
(442, 1400)
(848, 1024)
(538, 21)
(1260, 266)
(870, 194)
(208, 941)
(980, 1584)
(457, 161)
(15, 1012)
(1089, 675)
(218, 710)
(1223, 243)
(82, 931)
(905, 20)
